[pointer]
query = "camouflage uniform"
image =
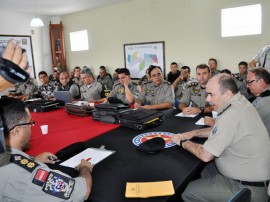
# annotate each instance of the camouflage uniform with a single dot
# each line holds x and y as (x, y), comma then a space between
(48, 91)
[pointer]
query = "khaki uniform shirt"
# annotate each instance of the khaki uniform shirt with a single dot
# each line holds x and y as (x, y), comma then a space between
(77, 81)
(94, 91)
(152, 94)
(262, 105)
(180, 88)
(119, 92)
(28, 88)
(107, 82)
(196, 94)
(27, 180)
(240, 142)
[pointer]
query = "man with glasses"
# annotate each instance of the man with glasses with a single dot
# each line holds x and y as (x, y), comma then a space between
(157, 93)
(194, 97)
(21, 177)
(258, 81)
(21, 173)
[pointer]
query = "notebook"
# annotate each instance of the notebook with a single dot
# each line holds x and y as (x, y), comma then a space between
(64, 96)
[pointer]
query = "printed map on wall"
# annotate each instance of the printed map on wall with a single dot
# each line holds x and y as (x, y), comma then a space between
(138, 57)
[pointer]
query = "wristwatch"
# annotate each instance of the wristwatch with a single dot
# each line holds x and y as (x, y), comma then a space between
(181, 141)
(202, 109)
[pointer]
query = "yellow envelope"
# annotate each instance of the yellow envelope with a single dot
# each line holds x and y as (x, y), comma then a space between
(149, 189)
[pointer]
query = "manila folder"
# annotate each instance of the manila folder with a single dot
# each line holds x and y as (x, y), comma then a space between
(149, 189)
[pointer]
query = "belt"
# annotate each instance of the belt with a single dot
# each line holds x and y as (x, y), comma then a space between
(254, 184)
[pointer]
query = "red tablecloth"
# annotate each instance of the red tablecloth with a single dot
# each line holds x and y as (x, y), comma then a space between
(64, 129)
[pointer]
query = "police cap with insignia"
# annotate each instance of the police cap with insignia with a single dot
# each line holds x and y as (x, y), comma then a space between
(153, 145)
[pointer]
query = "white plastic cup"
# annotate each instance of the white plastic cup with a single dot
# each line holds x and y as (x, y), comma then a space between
(214, 114)
(44, 129)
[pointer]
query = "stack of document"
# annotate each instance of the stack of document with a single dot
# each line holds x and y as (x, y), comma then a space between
(149, 189)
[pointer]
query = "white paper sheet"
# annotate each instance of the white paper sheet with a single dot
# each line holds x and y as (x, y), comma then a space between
(93, 155)
(200, 122)
(186, 115)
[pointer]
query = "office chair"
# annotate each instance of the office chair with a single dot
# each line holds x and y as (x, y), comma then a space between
(243, 195)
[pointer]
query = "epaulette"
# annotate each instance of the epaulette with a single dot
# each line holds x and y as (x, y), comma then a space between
(165, 81)
(239, 78)
(224, 110)
(24, 162)
(117, 84)
(146, 82)
(191, 84)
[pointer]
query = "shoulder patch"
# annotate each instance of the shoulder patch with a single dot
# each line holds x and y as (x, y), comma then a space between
(165, 81)
(40, 177)
(59, 186)
(24, 162)
(215, 129)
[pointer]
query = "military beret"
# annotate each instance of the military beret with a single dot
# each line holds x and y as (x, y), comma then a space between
(153, 145)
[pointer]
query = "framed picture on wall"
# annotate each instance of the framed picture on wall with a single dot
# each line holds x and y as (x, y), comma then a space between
(139, 56)
(25, 42)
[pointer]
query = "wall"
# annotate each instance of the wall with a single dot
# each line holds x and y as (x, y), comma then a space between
(190, 29)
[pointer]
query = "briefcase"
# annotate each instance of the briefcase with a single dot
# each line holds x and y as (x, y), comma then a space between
(79, 110)
(108, 113)
(141, 119)
(42, 105)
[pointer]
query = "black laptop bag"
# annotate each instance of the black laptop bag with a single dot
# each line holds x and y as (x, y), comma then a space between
(108, 113)
(83, 110)
(42, 105)
(141, 119)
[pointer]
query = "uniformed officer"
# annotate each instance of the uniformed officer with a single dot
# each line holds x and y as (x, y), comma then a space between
(92, 90)
(212, 63)
(25, 90)
(105, 78)
(48, 87)
(157, 93)
(238, 143)
(77, 76)
(26, 178)
(179, 84)
(125, 90)
(194, 97)
(67, 85)
(258, 81)
(243, 71)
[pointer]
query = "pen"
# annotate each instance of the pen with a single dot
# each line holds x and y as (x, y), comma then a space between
(190, 104)
(88, 159)
(52, 159)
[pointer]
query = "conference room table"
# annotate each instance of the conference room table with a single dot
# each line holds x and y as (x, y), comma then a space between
(128, 164)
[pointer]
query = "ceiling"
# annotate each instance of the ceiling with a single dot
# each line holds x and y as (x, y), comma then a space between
(54, 7)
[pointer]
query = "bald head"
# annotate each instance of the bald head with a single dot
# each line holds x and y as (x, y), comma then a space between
(64, 78)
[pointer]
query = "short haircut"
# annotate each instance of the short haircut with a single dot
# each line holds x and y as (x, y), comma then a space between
(174, 63)
(64, 73)
(116, 70)
(203, 66)
(12, 112)
(213, 59)
(261, 73)
(186, 67)
(226, 82)
(42, 72)
(77, 67)
(123, 71)
(226, 71)
(87, 71)
(243, 63)
(102, 67)
(152, 67)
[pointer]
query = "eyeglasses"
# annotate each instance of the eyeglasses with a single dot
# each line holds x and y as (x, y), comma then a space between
(250, 82)
(31, 123)
(156, 75)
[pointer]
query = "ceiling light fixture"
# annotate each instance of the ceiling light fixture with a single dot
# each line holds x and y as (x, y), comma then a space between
(36, 22)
